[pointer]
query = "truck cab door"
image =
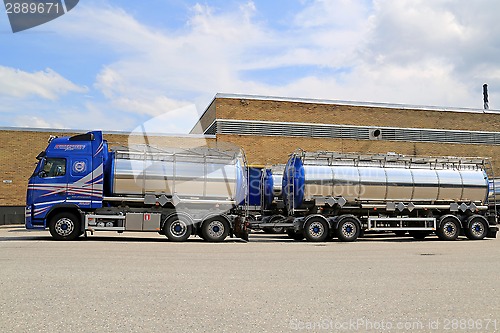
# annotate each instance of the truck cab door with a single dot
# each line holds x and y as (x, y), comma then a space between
(80, 184)
(48, 186)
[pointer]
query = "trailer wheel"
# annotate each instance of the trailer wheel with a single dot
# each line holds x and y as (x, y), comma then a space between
(215, 229)
(400, 233)
(477, 227)
(449, 228)
(178, 228)
(348, 229)
(65, 226)
(316, 229)
(298, 236)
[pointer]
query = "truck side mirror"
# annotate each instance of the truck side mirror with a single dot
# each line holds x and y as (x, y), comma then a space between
(41, 155)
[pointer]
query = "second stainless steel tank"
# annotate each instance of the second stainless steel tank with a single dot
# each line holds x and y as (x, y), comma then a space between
(307, 177)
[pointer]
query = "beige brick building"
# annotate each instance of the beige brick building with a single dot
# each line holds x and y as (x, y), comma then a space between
(270, 128)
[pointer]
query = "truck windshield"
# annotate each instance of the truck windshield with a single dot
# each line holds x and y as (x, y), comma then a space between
(37, 168)
(54, 167)
(39, 164)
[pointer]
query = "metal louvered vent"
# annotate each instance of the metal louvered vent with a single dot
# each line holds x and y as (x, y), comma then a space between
(212, 129)
(311, 130)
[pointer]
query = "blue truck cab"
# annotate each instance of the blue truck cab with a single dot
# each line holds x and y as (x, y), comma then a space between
(67, 180)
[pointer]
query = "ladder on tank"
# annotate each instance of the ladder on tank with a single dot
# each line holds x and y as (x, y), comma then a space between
(492, 200)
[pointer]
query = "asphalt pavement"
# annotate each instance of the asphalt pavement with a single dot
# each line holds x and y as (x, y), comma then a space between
(140, 282)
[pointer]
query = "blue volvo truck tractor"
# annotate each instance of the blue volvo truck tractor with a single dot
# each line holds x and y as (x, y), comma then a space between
(81, 186)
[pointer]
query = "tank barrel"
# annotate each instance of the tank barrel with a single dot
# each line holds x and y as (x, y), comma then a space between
(383, 178)
(195, 174)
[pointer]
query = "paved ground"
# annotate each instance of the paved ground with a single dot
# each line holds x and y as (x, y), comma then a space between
(140, 282)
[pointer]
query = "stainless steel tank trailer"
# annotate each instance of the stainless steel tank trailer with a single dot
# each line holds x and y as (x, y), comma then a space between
(328, 194)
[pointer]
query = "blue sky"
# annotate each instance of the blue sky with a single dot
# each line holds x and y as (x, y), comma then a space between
(115, 65)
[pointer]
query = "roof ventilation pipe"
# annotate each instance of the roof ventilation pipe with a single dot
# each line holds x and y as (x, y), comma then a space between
(485, 96)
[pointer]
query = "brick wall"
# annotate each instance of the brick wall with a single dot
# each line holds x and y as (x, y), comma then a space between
(249, 109)
(18, 151)
(274, 150)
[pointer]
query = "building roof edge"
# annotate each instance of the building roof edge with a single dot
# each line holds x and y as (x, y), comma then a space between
(354, 103)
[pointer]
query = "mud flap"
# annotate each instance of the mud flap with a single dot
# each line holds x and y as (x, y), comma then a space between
(241, 228)
(492, 232)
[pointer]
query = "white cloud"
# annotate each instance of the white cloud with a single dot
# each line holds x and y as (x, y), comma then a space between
(46, 84)
(340, 14)
(34, 121)
(170, 122)
(406, 51)
(449, 48)
(160, 72)
(395, 51)
(154, 106)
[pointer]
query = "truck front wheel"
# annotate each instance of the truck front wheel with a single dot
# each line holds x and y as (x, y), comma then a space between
(215, 229)
(65, 226)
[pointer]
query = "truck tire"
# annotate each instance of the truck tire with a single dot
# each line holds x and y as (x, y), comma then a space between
(449, 228)
(215, 229)
(65, 226)
(316, 229)
(348, 229)
(400, 233)
(178, 228)
(477, 227)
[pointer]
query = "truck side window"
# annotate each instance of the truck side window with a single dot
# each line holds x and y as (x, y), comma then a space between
(54, 167)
